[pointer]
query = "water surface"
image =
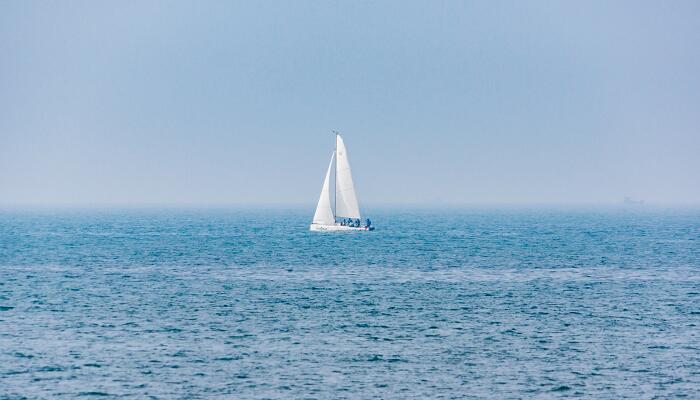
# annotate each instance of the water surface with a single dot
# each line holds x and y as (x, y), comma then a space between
(510, 303)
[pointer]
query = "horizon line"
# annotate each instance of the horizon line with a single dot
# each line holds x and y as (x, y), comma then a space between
(276, 205)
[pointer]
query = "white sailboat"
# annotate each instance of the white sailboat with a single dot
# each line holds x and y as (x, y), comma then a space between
(345, 215)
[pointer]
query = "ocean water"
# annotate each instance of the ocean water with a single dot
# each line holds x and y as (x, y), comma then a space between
(473, 303)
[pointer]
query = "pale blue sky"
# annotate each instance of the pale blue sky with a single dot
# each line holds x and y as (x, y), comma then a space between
(459, 102)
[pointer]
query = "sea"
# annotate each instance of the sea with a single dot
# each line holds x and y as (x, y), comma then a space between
(452, 303)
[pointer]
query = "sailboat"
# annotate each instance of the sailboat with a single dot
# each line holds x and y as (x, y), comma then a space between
(342, 212)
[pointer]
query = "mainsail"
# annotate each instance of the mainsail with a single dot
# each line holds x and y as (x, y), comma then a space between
(346, 201)
(324, 212)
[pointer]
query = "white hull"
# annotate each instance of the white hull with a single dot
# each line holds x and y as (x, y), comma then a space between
(336, 228)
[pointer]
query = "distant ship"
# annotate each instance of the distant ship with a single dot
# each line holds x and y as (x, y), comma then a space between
(631, 201)
(344, 214)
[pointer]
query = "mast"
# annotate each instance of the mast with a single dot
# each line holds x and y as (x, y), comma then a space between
(335, 180)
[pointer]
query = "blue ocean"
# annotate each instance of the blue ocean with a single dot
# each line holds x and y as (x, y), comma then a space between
(453, 303)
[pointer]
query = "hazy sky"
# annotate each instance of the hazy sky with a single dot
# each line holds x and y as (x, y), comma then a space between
(459, 102)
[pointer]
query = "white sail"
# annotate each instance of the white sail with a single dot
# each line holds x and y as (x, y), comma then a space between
(346, 200)
(324, 212)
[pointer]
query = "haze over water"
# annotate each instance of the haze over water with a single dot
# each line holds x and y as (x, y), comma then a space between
(457, 102)
(500, 303)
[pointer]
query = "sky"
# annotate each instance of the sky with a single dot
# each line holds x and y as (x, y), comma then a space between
(458, 102)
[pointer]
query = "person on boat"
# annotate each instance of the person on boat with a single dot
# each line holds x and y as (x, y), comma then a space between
(357, 223)
(368, 223)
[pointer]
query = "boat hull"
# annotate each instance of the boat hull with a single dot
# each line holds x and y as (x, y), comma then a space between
(337, 228)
